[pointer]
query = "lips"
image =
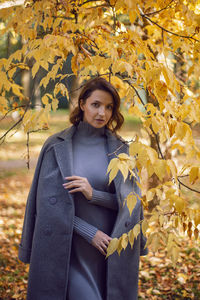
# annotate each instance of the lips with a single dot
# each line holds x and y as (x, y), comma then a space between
(100, 120)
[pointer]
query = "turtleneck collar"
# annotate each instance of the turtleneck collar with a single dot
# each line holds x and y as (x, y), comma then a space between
(84, 128)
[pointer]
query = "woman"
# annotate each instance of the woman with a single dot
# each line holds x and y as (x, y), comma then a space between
(72, 213)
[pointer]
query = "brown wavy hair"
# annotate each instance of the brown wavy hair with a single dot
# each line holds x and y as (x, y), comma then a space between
(90, 86)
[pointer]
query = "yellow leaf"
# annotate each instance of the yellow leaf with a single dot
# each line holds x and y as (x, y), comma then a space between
(152, 154)
(135, 111)
(194, 174)
(161, 92)
(175, 254)
(112, 247)
(131, 201)
(197, 217)
(45, 99)
(181, 130)
(150, 239)
(131, 237)
(155, 244)
(123, 168)
(124, 240)
(132, 15)
(160, 168)
(16, 90)
(112, 164)
(173, 168)
(113, 173)
(144, 226)
(179, 203)
(35, 68)
(123, 156)
(119, 248)
(136, 230)
(3, 104)
(155, 124)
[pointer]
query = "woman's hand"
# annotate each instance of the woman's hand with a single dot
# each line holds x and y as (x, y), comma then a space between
(79, 184)
(101, 241)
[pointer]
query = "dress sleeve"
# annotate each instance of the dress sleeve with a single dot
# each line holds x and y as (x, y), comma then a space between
(86, 230)
(105, 199)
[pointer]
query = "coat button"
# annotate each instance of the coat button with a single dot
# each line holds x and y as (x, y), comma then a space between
(52, 201)
(127, 223)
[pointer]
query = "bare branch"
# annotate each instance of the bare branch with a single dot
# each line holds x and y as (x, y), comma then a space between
(158, 11)
(88, 1)
(28, 151)
(12, 127)
(190, 37)
(189, 188)
(12, 109)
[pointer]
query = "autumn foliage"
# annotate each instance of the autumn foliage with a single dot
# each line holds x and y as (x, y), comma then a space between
(148, 48)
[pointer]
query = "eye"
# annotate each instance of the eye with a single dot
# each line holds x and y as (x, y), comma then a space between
(110, 107)
(95, 104)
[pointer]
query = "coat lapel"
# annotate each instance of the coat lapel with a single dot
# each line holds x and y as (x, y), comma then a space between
(63, 152)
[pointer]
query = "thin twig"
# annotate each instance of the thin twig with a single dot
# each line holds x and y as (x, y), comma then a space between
(158, 143)
(193, 190)
(28, 151)
(12, 127)
(88, 1)
(171, 32)
(15, 108)
(158, 11)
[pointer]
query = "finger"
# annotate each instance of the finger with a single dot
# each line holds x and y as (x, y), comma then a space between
(75, 190)
(102, 250)
(104, 246)
(73, 181)
(74, 177)
(106, 242)
(72, 184)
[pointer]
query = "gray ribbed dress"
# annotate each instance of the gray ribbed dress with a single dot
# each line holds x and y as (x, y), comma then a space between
(87, 273)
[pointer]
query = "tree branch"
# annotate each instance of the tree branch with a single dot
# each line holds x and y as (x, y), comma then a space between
(28, 151)
(158, 11)
(12, 127)
(189, 188)
(88, 1)
(168, 31)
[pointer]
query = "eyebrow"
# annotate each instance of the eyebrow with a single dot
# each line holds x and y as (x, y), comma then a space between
(111, 103)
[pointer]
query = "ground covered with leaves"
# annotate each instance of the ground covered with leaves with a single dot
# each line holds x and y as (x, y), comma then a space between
(158, 278)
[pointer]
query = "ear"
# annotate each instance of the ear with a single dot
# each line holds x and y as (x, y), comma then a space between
(82, 104)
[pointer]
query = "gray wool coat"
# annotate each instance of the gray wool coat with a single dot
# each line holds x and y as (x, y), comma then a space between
(48, 225)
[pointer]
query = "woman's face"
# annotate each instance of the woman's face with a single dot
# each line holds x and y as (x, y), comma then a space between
(98, 108)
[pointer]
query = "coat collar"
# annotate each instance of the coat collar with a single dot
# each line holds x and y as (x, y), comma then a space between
(64, 153)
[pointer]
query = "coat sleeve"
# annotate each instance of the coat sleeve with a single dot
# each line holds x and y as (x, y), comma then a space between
(24, 252)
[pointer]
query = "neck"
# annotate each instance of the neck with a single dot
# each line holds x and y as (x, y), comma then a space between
(86, 129)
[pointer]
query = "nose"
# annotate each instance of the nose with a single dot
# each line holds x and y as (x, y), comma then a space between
(101, 111)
